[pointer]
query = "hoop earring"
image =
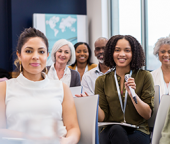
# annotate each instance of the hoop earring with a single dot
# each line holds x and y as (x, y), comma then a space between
(20, 66)
(46, 70)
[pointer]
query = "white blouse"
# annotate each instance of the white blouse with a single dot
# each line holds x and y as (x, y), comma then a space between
(52, 74)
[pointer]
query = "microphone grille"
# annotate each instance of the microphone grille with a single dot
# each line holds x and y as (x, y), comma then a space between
(127, 76)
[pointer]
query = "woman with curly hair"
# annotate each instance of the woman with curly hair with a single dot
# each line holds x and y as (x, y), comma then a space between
(83, 56)
(125, 55)
(161, 76)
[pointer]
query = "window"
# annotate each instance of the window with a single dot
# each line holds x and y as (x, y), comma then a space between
(146, 20)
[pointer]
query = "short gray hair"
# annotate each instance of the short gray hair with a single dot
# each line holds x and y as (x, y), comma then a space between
(58, 44)
(159, 43)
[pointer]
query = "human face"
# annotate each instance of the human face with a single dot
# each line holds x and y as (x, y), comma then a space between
(122, 54)
(63, 55)
(164, 54)
(82, 53)
(99, 49)
(33, 56)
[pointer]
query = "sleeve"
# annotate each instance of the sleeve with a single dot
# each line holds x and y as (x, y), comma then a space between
(103, 103)
(148, 90)
(86, 85)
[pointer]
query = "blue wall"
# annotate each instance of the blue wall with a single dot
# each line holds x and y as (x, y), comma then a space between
(15, 15)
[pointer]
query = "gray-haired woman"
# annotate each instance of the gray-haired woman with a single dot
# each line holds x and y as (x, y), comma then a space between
(63, 54)
(161, 76)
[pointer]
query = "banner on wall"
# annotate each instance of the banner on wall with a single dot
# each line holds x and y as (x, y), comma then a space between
(61, 26)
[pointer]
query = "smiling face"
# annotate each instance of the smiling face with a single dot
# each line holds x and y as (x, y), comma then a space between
(82, 54)
(63, 54)
(99, 49)
(122, 54)
(33, 56)
(164, 54)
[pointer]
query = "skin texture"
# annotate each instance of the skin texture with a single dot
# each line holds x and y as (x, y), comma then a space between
(62, 57)
(82, 55)
(164, 57)
(33, 57)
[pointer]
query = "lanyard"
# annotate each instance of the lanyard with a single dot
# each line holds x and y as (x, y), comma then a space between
(119, 95)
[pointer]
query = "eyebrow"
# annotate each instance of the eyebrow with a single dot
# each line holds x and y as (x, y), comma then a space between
(38, 48)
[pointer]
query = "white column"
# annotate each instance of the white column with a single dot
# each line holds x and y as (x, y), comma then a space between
(98, 22)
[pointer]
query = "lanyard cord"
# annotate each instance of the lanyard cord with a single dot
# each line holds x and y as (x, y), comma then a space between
(119, 95)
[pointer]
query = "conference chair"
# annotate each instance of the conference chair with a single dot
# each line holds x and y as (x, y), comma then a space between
(87, 108)
(160, 118)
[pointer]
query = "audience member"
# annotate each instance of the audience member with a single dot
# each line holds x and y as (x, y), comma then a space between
(63, 54)
(116, 104)
(83, 56)
(33, 94)
(89, 78)
(161, 76)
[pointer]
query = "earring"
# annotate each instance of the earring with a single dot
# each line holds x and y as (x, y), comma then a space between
(20, 66)
(46, 70)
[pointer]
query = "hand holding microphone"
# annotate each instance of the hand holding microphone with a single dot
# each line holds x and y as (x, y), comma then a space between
(127, 76)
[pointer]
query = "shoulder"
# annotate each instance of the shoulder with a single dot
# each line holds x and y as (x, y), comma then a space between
(2, 89)
(72, 67)
(143, 76)
(155, 72)
(92, 66)
(105, 77)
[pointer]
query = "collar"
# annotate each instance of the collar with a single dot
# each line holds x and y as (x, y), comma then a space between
(98, 70)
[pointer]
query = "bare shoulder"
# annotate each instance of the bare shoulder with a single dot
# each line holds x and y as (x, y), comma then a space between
(2, 90)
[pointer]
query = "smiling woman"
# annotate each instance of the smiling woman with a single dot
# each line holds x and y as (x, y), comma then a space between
(83, 56)
(116, 104)
(63, 54)
(32, 96)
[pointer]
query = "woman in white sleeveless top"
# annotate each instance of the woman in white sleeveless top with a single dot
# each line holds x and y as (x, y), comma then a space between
(32, 95)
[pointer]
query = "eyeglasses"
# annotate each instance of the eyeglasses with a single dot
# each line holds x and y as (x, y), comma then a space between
(99, 48)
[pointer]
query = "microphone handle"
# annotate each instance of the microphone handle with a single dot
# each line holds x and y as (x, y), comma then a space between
(133, 94)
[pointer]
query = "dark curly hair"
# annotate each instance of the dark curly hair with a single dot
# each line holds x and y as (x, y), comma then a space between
(89, 50)
(138, 56)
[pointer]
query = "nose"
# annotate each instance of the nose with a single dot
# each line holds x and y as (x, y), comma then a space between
(166, 54)
(35, 56)
(122, 53)
(101, 50)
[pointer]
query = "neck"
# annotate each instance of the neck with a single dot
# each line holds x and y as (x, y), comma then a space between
(165, 68)
(122, 70)
(103, 68)
(32, 77)
(81, 65)
(59, 67)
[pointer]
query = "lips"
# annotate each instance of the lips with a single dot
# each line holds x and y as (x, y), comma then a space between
(82, 58)
(35, 64)
(166, 60)
(122, 60)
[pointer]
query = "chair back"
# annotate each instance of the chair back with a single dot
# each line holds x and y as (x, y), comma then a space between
(160, 118)
(151, 121)
(86, 108)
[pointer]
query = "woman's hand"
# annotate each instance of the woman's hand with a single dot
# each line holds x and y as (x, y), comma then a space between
(81, 95)
(130, 83)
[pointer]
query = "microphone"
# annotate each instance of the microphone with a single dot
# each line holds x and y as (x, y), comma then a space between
(127, 76)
